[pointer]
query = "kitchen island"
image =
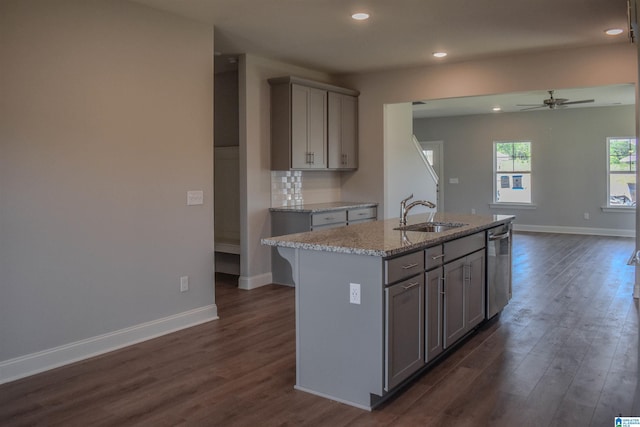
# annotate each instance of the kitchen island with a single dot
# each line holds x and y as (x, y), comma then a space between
(375, 306)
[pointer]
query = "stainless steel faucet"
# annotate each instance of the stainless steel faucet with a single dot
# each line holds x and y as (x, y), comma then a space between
(404, 208)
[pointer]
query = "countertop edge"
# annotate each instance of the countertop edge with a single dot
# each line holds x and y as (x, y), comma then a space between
(311, 209)
(452, 235)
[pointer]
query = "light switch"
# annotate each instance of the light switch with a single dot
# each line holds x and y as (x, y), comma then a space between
(195, 197)
(453, 181)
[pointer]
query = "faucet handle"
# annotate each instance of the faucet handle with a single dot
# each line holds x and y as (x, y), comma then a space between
(407, 199)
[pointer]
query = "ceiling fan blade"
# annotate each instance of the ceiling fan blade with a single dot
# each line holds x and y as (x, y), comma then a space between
(532, 108)
(584, 101)
(529, 105)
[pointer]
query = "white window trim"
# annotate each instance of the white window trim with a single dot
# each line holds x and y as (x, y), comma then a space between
(608, 207)
(497, 204)
(618, 209)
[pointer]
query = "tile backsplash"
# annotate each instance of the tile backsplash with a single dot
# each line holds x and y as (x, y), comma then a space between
(286, 188)
(292, 188)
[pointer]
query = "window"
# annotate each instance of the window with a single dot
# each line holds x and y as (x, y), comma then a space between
(621, 172)
(512, 172)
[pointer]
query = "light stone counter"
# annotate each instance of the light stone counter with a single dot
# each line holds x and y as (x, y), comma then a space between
(380, 239)
(323, 207)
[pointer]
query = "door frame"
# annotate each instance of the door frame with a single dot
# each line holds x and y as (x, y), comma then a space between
(425, 145)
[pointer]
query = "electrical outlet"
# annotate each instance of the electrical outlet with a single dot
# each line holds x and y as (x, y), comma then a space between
(473, 211)
(184, 283)
(586, 215)
(354, 293)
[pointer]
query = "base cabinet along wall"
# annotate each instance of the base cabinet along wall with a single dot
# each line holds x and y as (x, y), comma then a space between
(314, 126)
(311, 218)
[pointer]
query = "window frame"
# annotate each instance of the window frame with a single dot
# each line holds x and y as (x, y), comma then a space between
(496, 203)
(608, 207)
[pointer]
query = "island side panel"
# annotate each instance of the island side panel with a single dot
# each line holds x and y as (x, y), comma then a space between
(340, 346)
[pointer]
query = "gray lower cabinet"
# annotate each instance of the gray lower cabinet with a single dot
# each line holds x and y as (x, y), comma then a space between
(404, 311)
(298, 221)
(464, 293)
(433, 313)
(476, 290)
(324, 220)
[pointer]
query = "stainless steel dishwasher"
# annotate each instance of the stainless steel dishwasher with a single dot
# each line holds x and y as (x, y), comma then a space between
(498, 269)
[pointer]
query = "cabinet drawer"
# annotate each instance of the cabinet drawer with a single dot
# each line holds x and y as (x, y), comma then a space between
(359, 214)
(323, 218)
(463, 246)
(404, 266)
(433, 257)
(327, 226)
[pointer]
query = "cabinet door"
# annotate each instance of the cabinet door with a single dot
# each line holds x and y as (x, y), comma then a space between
(475, 289)
(404, 330)
(308, 128)
(433, 314)
(454, 300)
(343, 131)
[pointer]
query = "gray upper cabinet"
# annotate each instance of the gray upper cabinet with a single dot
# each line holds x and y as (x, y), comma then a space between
(343, 131)
(314, 126)
(308, 128)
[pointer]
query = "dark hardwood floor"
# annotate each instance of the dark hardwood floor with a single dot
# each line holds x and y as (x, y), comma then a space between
(563, 353)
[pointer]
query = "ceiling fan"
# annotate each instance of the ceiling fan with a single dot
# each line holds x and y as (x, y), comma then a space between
(553, 103)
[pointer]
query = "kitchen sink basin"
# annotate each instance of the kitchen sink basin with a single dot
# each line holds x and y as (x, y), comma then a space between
(431, 227)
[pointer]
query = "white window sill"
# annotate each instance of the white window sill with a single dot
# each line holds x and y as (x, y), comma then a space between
(619, 209)
(513, 206)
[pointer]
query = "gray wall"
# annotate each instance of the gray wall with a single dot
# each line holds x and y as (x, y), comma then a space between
(106, 122)
(589, 66)
(226, 109)
(568, 161)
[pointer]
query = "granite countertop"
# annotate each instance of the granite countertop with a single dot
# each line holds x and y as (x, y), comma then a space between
(378, 238)
(323, 207)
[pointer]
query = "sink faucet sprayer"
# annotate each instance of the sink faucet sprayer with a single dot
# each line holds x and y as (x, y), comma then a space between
(404, 208)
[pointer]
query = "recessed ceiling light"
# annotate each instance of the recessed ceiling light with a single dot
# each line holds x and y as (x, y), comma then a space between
(439, 54)
(614, 31)
(497, 109)
(360, 16)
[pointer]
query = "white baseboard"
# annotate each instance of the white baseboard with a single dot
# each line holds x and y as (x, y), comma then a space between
(253, 282)
(30, 364)
(575, 230)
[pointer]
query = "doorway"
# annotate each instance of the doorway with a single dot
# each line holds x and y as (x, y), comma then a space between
(433, 152)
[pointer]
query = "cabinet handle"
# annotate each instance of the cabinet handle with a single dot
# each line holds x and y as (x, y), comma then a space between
(362, 214)
(408, 266)
(329, 218)
(410, 285)
(313, 157)
(308, 158)
(435, 257)
(467, 273)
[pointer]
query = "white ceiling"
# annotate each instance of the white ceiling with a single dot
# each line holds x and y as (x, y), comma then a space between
(320, 34)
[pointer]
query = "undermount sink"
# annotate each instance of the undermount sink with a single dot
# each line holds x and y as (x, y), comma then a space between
(431, 227)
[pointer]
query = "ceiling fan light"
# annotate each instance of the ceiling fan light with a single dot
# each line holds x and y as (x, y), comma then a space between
(614, 31)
